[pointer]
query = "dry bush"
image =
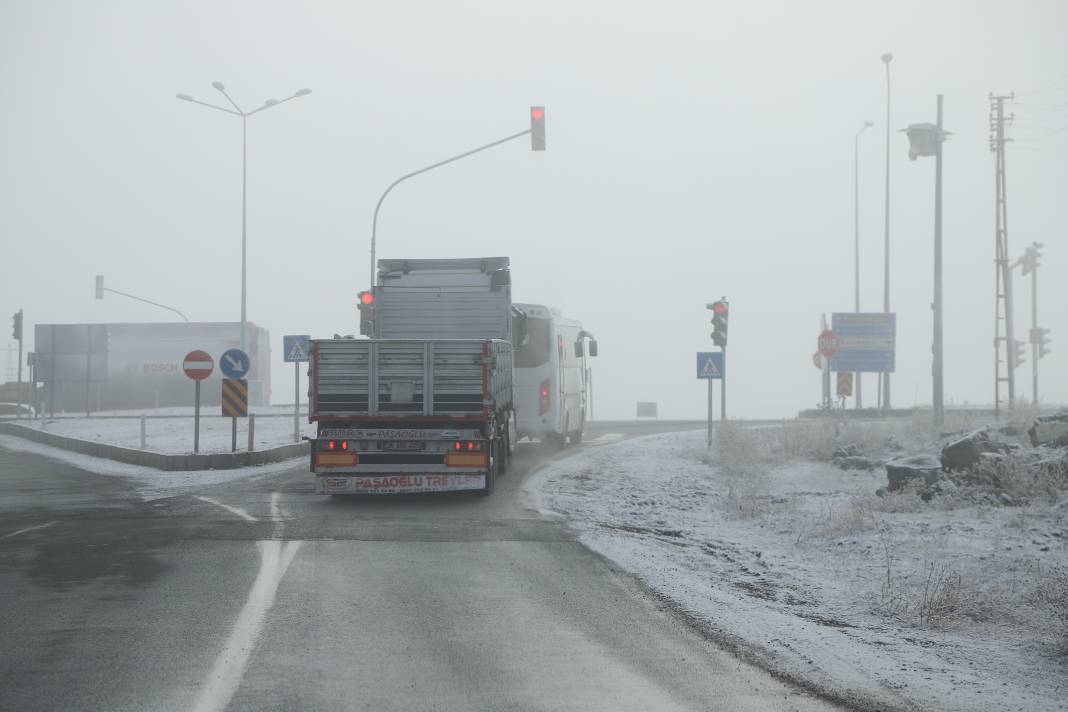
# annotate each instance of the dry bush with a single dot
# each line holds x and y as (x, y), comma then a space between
(1051, 593)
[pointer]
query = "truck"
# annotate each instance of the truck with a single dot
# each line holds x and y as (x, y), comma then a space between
(427, 403)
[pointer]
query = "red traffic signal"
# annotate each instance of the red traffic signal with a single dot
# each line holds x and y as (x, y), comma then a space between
(367, 298)
(537, 128)
(719, 308)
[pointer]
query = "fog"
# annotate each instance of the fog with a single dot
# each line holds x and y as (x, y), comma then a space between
(695, 150)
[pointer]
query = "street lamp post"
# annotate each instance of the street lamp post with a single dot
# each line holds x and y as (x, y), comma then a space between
(885, 380)
(856, 237)
(927, 140)
(238, 111)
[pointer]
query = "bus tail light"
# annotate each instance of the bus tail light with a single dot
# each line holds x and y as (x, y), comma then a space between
(543, 397)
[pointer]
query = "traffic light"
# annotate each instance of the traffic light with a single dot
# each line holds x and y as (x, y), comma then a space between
(1038, 336)
(16, 325)
(1029, 262)
(365, 302)
(537, 128)
(1019, 353)
(720, 315)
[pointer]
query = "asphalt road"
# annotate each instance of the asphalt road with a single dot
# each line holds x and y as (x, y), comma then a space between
(259, 595)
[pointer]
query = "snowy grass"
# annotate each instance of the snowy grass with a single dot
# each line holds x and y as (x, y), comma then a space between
(932, 605)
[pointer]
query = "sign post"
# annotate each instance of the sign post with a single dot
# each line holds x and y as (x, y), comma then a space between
(197, 365)
(296, 348)
(235, 364)
(710, 367)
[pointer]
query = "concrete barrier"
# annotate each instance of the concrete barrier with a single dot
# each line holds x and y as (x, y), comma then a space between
(158, 460)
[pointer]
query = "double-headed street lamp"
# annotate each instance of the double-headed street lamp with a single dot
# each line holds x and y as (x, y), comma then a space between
(885, 376)
(238, 111)
(926, 140)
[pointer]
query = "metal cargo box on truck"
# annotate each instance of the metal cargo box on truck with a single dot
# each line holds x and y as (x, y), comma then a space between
(410, 415)
(444, 299)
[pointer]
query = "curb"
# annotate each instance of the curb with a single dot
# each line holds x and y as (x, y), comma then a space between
(159, 461)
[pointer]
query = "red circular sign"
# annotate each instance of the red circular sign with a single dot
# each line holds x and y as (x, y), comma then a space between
(828, 343)
(198, 365)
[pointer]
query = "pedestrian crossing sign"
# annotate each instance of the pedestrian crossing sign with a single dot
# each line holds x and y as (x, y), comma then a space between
(710, 364)
(296, 348)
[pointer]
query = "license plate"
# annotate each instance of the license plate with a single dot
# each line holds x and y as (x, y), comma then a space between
(403, 445)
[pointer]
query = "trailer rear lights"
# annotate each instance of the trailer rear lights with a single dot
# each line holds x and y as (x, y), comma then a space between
(344, 444)
(543, 397)
(336, 459)
(464, 459)
(467, 445)
(331, 445)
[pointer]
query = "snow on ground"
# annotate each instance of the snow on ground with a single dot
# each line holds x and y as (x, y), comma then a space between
(799, 566)
(149, 482)
(173, 433)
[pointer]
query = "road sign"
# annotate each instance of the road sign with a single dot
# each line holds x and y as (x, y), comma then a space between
(296, 348)
(710, 364)
(234, 363)
(198, 365)
(817, 360)
(866, 342)
(828, 343)
(235, 397)
(646, 409)
(845, 383)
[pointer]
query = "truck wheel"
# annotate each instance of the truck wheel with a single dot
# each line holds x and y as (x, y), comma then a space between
(491, 472)
(505, 455)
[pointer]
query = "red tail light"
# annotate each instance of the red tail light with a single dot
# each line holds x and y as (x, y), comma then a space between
(331, 445)
(543, 397)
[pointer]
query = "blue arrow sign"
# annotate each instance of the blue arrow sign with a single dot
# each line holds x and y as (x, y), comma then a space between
(235, 363)
(710, 364)
(295, 347)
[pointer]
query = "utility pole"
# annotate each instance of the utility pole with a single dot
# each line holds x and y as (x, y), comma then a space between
(1002, 269)
(856, 238)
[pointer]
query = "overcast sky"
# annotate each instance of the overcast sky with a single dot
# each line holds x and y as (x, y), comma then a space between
(695, 150)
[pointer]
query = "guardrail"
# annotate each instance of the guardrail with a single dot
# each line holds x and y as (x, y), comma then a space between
(157, 460)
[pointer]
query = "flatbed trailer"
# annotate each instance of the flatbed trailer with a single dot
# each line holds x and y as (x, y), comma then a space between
(410, 415)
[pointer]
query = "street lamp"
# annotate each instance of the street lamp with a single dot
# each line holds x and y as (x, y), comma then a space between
(885, 376)
(856, 235)
(926, 140)
(238, 111)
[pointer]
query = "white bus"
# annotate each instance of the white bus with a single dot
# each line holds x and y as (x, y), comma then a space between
(552, 378)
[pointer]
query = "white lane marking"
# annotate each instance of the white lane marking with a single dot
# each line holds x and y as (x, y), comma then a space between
(229, 668)
(27, 529)
(234, 510)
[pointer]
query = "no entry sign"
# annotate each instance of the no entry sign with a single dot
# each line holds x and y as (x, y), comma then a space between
(828, 343)
(198, 365)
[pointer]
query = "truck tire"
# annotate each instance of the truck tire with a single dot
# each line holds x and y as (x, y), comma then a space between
(491, 471)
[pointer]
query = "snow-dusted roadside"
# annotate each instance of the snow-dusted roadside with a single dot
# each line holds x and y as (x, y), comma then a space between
(802, 568)
(174, 435)
(149, 482)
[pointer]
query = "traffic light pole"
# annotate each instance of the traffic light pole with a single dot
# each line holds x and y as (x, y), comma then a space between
(18, 384)
(723, 388)
(711, 400)
(439, 164)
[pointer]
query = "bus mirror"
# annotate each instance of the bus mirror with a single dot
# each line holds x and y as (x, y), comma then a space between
(578, 349)
(593, 348)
